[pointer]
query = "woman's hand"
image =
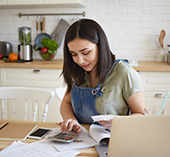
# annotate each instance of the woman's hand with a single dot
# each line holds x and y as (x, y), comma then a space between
(107, 124)
(69, 125)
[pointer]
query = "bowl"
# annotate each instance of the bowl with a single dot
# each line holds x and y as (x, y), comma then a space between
(49, 55)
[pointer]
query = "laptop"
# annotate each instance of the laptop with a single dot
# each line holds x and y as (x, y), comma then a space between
(140, 136)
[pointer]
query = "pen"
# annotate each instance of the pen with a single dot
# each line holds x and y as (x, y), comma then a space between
(4, 126)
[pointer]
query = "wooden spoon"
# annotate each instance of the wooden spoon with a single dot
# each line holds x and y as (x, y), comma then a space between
(161, 37)
(44, 30)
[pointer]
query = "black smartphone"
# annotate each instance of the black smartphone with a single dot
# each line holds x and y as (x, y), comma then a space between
(39, 133)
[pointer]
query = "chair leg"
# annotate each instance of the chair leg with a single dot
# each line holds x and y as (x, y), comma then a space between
(35, 111)
(14, 109)
(26, 110)
(45, 112)
(3, 109)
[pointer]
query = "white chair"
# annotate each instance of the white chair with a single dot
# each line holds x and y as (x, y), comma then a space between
(60, 92)
(31, 100)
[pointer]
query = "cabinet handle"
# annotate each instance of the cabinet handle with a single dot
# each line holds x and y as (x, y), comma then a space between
(159, 95)
(37, 71)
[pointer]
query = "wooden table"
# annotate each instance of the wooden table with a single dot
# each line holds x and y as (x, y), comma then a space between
(90, 152)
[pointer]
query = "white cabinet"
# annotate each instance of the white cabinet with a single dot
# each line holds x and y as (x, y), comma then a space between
(42, 78)
(2, 2)
(41, 3)
(65, 2)
(156, 85)
(48, 78)
(21, 2)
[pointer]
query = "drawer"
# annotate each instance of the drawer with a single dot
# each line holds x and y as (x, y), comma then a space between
(156, 81)
(156, 98)
(49, 78)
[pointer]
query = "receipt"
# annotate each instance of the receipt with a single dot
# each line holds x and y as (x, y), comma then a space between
(102, 117)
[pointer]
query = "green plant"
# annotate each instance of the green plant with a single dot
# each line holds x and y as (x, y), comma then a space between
(49, 49)
(50, 44)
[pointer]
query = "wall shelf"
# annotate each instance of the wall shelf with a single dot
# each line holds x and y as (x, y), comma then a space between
(52, 14)
(18, 4)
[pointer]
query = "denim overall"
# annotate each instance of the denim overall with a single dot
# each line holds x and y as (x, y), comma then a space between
(83, 101)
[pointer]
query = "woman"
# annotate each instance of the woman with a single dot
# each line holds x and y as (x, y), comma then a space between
(97, 83)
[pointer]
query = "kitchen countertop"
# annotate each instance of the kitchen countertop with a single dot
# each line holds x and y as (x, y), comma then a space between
(53, 64)
(152, 66)
(58, 64)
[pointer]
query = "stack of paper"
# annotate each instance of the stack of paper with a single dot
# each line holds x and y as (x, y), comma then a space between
(47, 148)
(36, 149)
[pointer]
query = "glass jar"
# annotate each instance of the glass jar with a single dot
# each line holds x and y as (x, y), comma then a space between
(24, 35)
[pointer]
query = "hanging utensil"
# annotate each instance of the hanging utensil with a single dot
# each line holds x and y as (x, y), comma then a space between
(43, 25)
(161, 38)
(60, 31)
(42, 35)
(37, 26)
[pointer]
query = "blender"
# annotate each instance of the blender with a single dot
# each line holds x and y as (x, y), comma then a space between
(25, 48)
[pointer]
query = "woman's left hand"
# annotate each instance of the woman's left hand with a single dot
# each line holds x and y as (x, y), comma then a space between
(107, 124)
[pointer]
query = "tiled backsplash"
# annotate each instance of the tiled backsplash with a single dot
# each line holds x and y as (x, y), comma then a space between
(129, 24)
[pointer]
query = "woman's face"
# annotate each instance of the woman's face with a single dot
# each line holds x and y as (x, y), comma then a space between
(84, 53)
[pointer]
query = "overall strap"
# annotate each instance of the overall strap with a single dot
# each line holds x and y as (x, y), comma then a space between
(116, 61)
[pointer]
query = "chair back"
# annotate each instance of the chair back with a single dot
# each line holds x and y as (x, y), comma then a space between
(25, 103)
(60, 92)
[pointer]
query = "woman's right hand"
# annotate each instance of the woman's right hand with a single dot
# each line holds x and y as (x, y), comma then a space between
(107, 124)
(69, 125)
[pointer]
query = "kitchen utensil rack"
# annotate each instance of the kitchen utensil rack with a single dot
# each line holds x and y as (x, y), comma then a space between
(52, 14)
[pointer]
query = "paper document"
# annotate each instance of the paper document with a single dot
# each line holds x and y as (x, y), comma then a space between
(102, 117)
(99, 133)
(36, 149)
(84, 141)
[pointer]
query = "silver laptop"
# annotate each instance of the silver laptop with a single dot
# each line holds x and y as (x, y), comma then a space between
(140, 136)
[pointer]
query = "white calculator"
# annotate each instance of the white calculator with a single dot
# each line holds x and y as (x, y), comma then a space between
(65, 137)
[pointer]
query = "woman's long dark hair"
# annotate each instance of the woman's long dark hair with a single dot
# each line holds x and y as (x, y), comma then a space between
(90, 30)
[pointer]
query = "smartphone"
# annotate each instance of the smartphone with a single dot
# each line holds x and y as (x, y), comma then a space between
(39, 133)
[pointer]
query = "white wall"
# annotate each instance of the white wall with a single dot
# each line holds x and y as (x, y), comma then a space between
(130, 24)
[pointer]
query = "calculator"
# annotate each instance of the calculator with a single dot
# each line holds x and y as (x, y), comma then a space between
(65, 137)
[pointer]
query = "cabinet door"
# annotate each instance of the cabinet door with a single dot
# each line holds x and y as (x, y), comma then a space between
(49, 78)
(20, 2)
(2, 2)
(159, 81)
(78, 3)
(156, 98)
(156, 85)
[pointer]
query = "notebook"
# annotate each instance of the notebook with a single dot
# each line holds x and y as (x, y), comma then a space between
(15, 131)
(140, 136)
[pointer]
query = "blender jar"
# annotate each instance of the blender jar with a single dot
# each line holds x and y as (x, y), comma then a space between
(24, 35)
(24, 48)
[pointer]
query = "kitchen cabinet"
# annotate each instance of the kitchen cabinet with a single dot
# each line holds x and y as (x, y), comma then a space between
(41, 3)
(33, 77)
(66, 2)
(2, 2)
(23, 2)
(156, 85)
